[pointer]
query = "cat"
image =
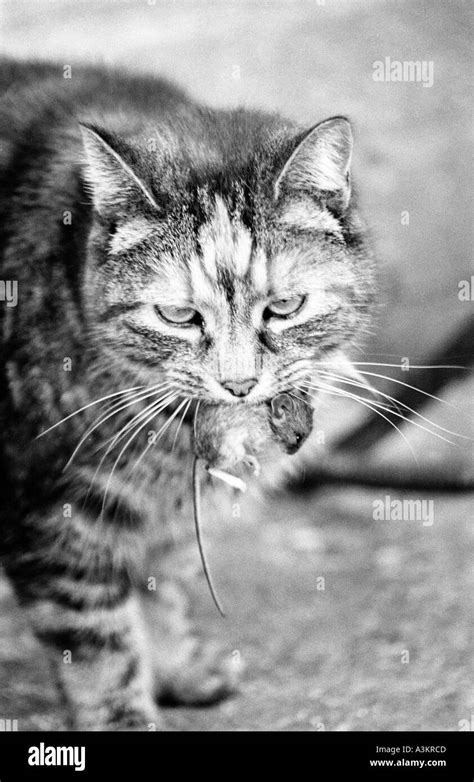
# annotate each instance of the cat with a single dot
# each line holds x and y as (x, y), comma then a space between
(165, 254)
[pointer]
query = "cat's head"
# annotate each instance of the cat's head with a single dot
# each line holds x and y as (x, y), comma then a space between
(228, 271)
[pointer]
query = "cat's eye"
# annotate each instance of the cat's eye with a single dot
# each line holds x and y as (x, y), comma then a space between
(283, 308)
(180, 316)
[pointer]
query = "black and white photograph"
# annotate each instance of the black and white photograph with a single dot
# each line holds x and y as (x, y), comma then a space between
(236, 381)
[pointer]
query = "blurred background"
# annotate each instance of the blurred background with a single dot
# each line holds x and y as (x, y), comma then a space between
(331, 656)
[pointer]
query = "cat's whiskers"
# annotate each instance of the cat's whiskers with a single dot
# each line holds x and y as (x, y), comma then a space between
(407, 385)
(86, 407)
(164, 400)
(198, 405)
(185, 411)
(160, 432)
(152, 410)
(155, 406)
(165, 390)
(116, 408)
(388, 407)
(390, 410)
(412, 366)
(397, 402)
(181, 421)
(168, 397)
(373, 406)
(185, 399)
(355, 364)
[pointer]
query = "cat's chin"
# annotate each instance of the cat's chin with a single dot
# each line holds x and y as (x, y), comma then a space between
(234, 438)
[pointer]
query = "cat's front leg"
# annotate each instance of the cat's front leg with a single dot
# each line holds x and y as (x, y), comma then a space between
(82, 608)
(188, 669)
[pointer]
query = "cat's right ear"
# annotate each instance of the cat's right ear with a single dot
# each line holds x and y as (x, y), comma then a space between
(107, 173)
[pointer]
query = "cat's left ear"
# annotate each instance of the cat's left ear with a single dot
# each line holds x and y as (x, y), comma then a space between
(320, 165)
(109, 174)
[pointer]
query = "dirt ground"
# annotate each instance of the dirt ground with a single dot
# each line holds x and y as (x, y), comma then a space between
(344, 622)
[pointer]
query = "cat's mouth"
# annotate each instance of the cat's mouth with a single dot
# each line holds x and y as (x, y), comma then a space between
(232, 438)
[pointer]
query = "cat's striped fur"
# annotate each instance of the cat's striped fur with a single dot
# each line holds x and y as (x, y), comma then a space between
(152, 202)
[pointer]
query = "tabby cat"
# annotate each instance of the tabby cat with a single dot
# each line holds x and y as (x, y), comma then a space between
(164, 255)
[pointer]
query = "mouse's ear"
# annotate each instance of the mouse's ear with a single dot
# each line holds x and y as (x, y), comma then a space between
(109, 173)
(320, 165)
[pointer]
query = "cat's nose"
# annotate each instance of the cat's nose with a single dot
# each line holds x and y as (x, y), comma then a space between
(240, 387)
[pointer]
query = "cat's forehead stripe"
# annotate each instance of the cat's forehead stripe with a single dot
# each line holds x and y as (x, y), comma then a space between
(225, 243)
(227, 249)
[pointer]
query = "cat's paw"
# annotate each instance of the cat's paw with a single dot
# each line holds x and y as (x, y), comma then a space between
(207, 677)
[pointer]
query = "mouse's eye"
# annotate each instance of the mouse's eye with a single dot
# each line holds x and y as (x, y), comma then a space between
(179, 316)
(283, 308)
